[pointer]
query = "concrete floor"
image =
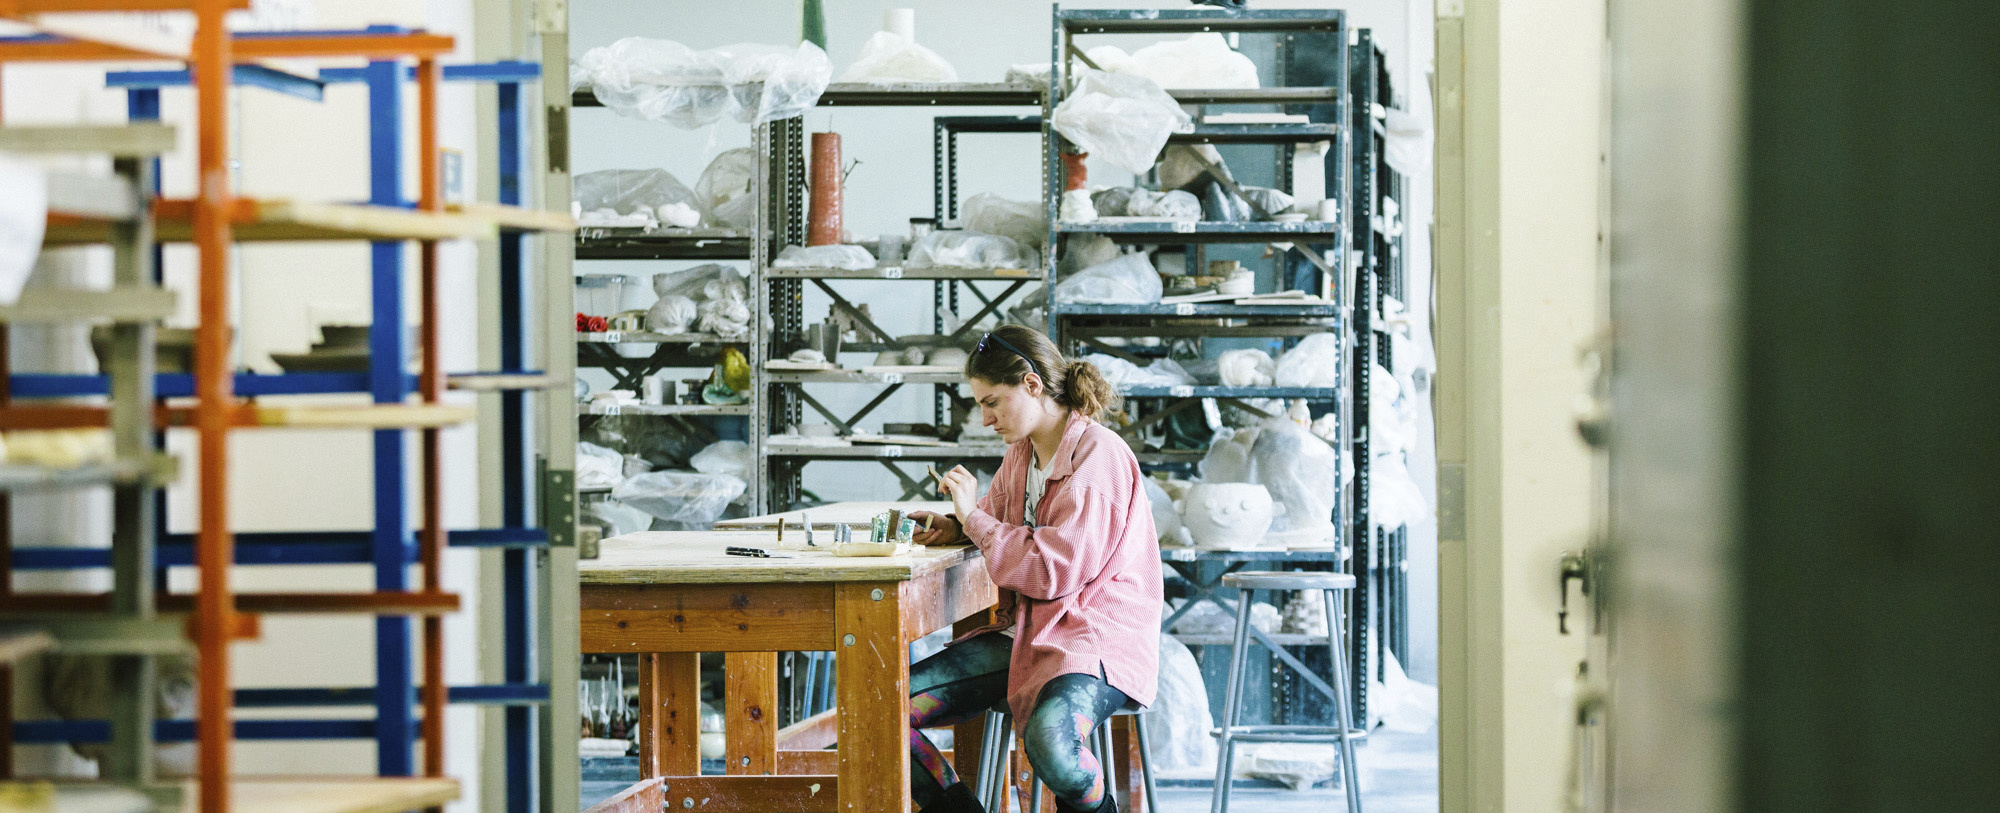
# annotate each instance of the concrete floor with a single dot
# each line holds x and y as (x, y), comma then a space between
(1399, 774)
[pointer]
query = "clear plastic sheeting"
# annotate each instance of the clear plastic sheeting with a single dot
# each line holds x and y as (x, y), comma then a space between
(1181, 719)
(619, 519)
(671, 314)
(1083, 251)
(665, 81)
(725, 191)
(889, 57)
(1127, 280)
(1203, 60)
(851, 258)
(1123, 120)
(1228, 458)
(1247, 367)
(1173, 204)
(598, 467)
(1313, 362)
(968, 249)
(1122, 373)
(1024, 222)
(628, 193)
(685, 500)
(731, 457)
(1298, 469)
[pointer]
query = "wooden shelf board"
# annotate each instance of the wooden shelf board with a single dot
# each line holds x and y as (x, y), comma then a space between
(272, 220)
(125, 141)
(516, 218)
(339, 794)
(370, 416)
(82, 305)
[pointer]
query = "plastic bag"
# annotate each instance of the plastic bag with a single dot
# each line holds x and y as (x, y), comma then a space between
(663, 80)
(1228, 458)
(1111, 202)
(968, 249)
(1124, 120)
(1203, 60)
(1183, 164)
(686, 500)
(672, 314)
(889, 57)
(725, 309)
(1024, 222)
(1176, 204)
(1301, 472)
(853, 258)
(1122, 373)
(693, 283)
(724, 191)
(597, 466)
(1129, 279)
(1313, 362)
(1181, 719)
(731, 457)
(1245, 368)
(1166, 518)
(629, 191)
(1027, 73)
(1085, 250)
(620, 519)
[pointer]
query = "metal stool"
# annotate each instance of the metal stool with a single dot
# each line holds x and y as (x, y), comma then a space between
(1342, 732)
(998, 743)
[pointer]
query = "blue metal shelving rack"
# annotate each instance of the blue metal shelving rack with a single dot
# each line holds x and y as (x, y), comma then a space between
(531, 661)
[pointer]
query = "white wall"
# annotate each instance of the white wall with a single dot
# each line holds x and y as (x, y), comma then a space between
(296, 480)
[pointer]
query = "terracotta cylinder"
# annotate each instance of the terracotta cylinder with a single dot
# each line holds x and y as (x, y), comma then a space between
(1074, 175)
(823, 226)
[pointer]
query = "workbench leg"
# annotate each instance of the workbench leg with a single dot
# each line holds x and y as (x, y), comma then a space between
(750, 717)
(669, 714)
(872, 665)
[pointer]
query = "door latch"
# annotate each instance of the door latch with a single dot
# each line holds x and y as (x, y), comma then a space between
(1575, 567)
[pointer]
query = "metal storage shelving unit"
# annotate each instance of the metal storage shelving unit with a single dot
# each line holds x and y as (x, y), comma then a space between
(783, 224)
(1311, 256)
(533, 662)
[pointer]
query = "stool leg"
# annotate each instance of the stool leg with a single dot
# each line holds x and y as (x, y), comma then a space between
(992, 760)
(1239, 648)
(1102, 745)
(1035, 795)
(1146, 763)
(1336, 628)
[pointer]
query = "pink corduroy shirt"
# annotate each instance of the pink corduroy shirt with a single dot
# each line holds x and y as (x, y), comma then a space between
(1084, 585)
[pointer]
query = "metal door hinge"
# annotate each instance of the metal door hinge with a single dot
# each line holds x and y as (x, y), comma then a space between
(559, 506)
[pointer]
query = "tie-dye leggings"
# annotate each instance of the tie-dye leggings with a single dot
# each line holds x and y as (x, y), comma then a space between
(967, 678)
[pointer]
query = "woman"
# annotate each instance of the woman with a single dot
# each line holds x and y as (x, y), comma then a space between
(1067, 533)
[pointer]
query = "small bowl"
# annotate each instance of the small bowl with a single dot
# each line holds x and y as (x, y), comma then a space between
(1289, 217)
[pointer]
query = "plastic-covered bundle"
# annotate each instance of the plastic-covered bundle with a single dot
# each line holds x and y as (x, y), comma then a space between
(968, 249)
(1301, 472)
(1024, 222)
(619, 519)
(1124, 120)
(1174, 204)
(693, 282)
(1203, 60)
(684, 499)
(1313, 362)
(724, 309)
(1181, 719)
(1166, 518)
(671, 314)
(629, 191)
(889, 57)
(1122, 373)
(597, 466)
(852, 258)
(1228, 458)
(1244, 368)
(1082, 251)
(731, 457)
(724, 191)
(663, 80)
(1129, 279)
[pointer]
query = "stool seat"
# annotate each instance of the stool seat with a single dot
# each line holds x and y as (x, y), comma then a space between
(1273, 580)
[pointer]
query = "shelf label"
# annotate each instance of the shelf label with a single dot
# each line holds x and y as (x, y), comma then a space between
(1182, 391)
(1184, 555)
(892, 272)
(610, 409)
(892, 451)
(1184, 309)
(1184, 226)
(890, 378)
(612, 336)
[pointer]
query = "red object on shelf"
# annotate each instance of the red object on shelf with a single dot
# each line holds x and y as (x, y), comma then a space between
(1074, 174)
(823, 222)
(586, 323)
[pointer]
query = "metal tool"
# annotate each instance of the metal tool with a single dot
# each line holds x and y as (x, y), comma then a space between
(759, 553)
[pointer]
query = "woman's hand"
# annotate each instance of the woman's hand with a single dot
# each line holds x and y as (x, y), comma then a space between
(944, 530)
(963, 489)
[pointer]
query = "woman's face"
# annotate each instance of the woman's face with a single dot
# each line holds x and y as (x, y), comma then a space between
(1013, 410)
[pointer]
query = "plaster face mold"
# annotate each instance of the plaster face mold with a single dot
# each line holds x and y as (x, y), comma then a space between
(1228, 516)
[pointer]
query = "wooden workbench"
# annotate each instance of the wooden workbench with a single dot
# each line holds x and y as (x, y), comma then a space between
(854, 514)
(670, 596)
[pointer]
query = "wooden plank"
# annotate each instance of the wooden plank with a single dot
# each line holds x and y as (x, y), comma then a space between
(268, 220)
(697, 557)
(340, 794)
(821, 730)
(796, 763)
(17, 643)
(872, 667)
(644, 797)
(706, 618)
(750, 713)
(961, 591)
(756, 794)
(81, 305)
(370, 416)
(826, 516)
(137, 140)
(517, 217)
(669, 714)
